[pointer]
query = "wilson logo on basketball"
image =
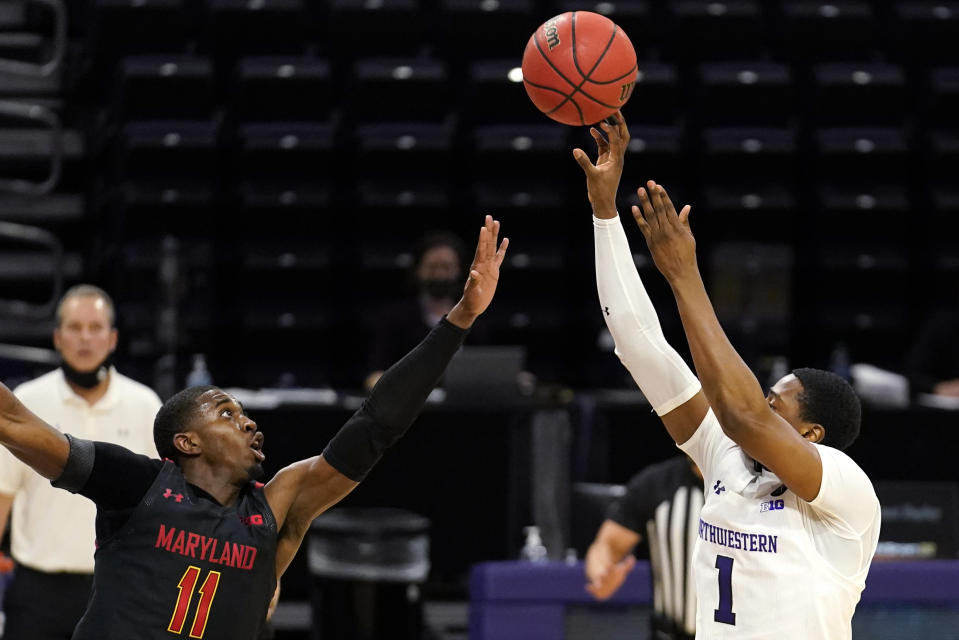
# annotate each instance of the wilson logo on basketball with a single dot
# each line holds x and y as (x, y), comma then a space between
(551, 33)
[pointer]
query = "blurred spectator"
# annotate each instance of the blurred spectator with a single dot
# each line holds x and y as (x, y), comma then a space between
(932, 363)
(437, 277)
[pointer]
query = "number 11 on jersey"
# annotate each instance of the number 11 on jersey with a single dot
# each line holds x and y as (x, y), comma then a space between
(186, 587)
(725, 613)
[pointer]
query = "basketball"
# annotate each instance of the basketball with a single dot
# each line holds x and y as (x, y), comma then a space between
(579, 67)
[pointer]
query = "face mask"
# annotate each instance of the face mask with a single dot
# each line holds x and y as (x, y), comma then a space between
(440, 289)
(88, 379)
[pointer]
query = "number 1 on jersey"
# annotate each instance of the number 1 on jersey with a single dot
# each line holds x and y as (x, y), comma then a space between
(187, 586)
(725, 613)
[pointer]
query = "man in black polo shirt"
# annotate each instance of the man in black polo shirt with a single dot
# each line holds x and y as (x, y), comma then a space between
(192, 546)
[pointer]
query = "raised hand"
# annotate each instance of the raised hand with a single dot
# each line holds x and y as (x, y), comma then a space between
(483, 275)
(607, 582)
(602, 178)
(667, 234)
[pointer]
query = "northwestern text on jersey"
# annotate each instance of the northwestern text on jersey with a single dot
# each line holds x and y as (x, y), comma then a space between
(760, 542)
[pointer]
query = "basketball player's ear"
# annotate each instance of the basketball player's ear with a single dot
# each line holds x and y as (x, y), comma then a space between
(814, 432)
(186, 443)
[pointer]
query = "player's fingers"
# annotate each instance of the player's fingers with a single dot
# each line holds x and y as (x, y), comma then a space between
(649, 214)
(668, 208)
(614, 136)
(628, 563)
(656, 199)
(492, 226)
(583, 160)
(684, 216)
(621, 125)
(601, 142)
(640, 221)
(480, 246)
(501, 252)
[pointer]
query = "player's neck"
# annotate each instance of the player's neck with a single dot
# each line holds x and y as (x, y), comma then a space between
(214, 482)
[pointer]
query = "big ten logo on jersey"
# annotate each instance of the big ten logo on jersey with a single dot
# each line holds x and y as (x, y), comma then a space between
(772, 505)
(250, 521)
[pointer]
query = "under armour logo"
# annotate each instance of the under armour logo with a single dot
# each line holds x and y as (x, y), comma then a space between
(718, 487)
(606, 310)
(176, 496)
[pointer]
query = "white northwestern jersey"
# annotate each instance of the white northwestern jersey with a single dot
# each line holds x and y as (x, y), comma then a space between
(768, 564)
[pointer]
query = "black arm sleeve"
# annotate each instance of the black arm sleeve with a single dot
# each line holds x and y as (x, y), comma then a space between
(393, 404)
(112, 476)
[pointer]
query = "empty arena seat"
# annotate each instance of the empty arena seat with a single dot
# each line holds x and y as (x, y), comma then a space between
(408, 194)
(927, 31)
(941, 148)
(380, 28)
(862, 154)
(520, 151)
(146, 26)
(163, 149)
(470, 29)
(494, 93)
(861, 210)
(404, 149)
(399, 89)
(250, 27)
(745, 93)
(857, 94)
(720, 30)
(749, 154)
(287, 152)
(941, 96)
(169, 86)
(264, 88)
(825, 31)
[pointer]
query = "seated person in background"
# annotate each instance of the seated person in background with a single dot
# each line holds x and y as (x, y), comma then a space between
(661, 505)
(932, 363)
(437, 276)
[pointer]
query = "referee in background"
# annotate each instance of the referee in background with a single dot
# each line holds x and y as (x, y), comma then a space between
(661, 507)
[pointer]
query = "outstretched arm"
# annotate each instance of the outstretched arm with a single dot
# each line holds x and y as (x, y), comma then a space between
(31, 439)
(305, 489)
(730, 387)
(661, 374)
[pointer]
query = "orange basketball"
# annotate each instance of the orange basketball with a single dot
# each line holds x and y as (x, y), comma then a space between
(579, 67)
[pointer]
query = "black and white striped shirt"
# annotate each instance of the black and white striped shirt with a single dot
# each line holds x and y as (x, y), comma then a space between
(662, 504)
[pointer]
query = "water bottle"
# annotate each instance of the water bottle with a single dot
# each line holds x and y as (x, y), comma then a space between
(199, 375)
(533, 549)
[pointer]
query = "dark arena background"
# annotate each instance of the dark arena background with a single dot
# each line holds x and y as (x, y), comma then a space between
(249, 179)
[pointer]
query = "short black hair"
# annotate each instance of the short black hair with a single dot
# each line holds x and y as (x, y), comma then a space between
(175, 417)
(828, 399)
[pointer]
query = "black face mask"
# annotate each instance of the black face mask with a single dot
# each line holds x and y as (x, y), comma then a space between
(87, 379)
(441, 289)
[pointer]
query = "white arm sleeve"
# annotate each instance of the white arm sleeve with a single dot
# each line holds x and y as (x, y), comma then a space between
(662, 375)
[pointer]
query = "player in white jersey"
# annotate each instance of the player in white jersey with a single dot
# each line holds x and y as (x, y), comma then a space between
(790, 523)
